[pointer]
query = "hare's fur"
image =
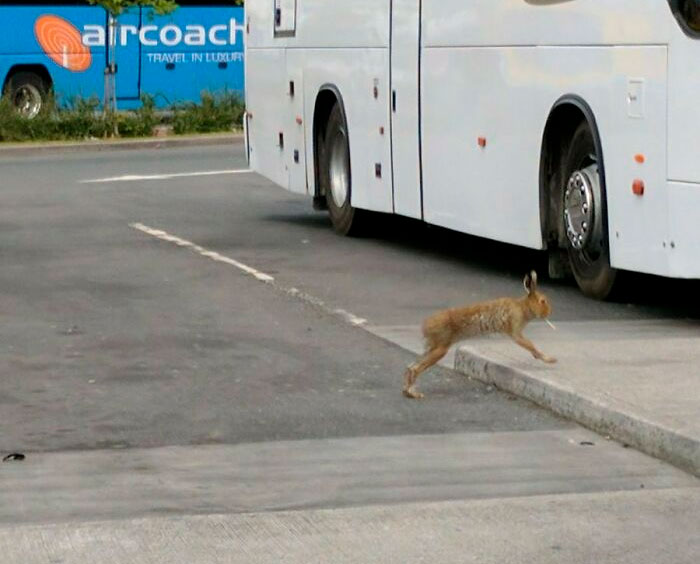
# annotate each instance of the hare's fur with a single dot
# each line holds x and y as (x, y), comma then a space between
(504, 315)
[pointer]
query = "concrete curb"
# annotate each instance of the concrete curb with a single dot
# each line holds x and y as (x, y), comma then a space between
(28, 149)
(605, 418)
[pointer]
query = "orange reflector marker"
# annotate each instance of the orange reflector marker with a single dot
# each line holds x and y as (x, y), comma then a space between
(482, 142)
(638, 187)
(640, 158)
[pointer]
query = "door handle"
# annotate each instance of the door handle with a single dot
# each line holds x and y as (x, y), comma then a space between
(393, 100)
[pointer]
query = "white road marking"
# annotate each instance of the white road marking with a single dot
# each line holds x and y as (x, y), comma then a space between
(164, 236)
(351, 318)
(261, 276)
(135, 177)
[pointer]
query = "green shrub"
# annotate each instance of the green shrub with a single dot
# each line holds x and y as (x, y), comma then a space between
(82, 118)
(79, 119)
(14, 127)
(141, 122)
(215, 112)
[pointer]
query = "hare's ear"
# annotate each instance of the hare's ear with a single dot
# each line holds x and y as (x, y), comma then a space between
(530, 282)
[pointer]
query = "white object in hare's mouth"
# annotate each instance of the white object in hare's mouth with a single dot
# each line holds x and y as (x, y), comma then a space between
(548, 322)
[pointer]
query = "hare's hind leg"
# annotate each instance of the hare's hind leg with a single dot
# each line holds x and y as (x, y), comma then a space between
(431, 356)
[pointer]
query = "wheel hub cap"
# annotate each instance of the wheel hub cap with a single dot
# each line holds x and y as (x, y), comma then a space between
(28, 101)
(579, 207)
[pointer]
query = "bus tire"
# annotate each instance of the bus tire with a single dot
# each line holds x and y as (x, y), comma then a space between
(27, 93)
(337, 178)
(584, 216)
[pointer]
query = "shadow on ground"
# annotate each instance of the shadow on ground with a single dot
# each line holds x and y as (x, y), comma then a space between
(654, 295)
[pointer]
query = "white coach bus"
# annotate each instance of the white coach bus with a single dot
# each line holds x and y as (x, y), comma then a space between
(565, 125)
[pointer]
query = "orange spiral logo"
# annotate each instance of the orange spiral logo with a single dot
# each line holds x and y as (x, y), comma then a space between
(62, 41)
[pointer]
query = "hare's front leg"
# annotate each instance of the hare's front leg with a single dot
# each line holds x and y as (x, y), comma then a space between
(527, 344)
(412, 372)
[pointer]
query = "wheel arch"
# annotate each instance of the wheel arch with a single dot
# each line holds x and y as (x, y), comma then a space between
(38, 69)
(565, 116)
(327, 97)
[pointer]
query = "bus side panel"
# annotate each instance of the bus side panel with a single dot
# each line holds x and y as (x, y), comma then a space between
(683, 108)
(632, 118)
(268, 112)
(294, 132)
(19, 46)
(127, 58)
(354, 73)
(339, 44)
(537, 22)
(494, 191)
(322, 23)
(208, 57)
(66, 87)
(684, 201)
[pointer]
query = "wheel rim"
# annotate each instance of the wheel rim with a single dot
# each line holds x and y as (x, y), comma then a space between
(583, 215)
(27, 101)
(339, 170)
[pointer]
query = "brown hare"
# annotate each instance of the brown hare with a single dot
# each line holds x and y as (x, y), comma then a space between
(504, 315)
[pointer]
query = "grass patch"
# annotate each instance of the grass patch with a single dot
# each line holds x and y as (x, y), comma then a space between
(82, 119)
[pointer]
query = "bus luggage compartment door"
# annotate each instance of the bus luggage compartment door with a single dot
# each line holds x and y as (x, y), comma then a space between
(405, 104)
(128, 52)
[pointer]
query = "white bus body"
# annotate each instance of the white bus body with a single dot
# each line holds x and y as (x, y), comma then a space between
(462, 114)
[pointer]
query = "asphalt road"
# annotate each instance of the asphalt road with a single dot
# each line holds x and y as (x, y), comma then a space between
(133, 341)
(113, 338)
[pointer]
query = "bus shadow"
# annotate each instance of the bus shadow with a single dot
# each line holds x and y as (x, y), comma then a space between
(315, 221)
(418, 237)
(652, 295)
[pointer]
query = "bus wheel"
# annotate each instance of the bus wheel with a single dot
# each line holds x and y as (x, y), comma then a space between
(27, 92)
(335, 167)
(584, 215)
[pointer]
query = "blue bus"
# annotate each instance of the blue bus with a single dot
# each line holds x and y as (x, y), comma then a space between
(59, 48)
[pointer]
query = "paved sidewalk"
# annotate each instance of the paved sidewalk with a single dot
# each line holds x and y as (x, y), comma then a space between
(107, 485)
(29, 148)
(623, 527)
(635, 382)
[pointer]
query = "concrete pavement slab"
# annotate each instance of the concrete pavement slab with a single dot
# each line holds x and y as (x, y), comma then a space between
(634, 527)
(636, 381)
(278, 475)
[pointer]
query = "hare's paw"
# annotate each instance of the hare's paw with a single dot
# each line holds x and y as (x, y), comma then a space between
(548, 359)
(412, 393)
